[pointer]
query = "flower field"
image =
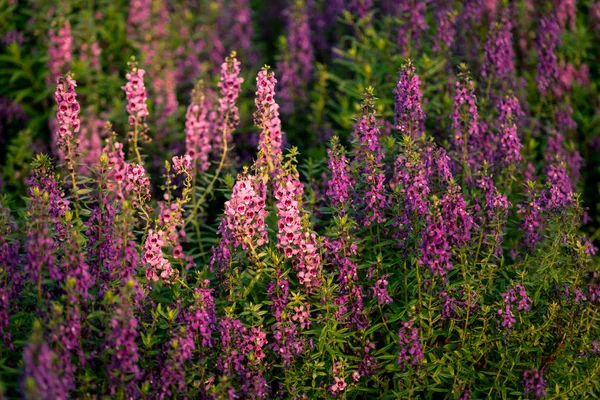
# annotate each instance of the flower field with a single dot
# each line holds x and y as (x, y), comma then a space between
(299, 199)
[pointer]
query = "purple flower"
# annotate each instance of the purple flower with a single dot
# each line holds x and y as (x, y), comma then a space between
(499, 52)
(509, 145)
(532, 223)
(179, 351)
(412, 13)
(409, 118)
(411, 350)
(516, 295)
(380, 291)
(360, 7)
(201, 316)
(466, 136)
(42, 378)
(546, 43)
(435, 249)
(341, 180)
(121, 345)
(445, 16)
(295, 67)
(458, 221)
(533, 383)
(369, 156)
(496, 207)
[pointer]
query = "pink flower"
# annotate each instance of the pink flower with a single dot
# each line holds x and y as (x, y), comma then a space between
(135, 91)
(182, 164)
(267, 119)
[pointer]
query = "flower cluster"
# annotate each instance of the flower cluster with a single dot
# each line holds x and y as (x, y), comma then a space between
(499, 52)
(510, 297)
(67, 117)
(158, 267)
(296, 66)
(245, 213)
(60, 51)
(292, 238)
(230, 85)
(409, 118)
(370, 155)
(465, 126)
(547, 41)
(338, 188)
(198, 130)
(411, 350)
(534, 383)
(135, 90)
(267, 119)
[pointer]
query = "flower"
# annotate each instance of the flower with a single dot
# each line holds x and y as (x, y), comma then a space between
(67, 118)
(245, 213)
(411, 350)
(546, 42)
(295, 67)
(198, 129)
(183, 164)
(533, 382)
(230, 84)
(60, 50)
(135, 91)
(341, 180)
(266, 118)
(409, 118)
(499, 52)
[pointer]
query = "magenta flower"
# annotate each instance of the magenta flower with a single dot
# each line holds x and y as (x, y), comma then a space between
(158, 267)
(466, 136)
(445, 16)
(413, 24)
(409, 118)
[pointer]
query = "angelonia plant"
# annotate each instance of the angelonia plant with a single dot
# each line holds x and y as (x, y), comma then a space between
(403, 205)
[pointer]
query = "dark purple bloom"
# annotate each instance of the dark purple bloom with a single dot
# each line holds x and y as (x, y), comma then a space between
(546, 43)
(533, 383)
(411, 350)
(412, 14)
(42, 378)
(445, 16)
(499, 52)
(295, 67)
